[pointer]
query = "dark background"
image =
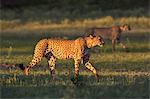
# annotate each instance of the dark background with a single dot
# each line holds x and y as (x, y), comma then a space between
(57, 10)
(81, 5)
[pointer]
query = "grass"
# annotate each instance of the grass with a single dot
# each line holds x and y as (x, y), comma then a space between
(122, 75)
(39, 85)
(135, 22)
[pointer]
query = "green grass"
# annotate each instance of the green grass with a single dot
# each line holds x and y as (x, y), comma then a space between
(40, 84)
(122, 75)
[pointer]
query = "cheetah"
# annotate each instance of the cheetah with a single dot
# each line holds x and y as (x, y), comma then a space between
(77, 50)
(112, 33)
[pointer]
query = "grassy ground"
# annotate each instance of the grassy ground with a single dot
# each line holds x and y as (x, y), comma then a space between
(122, 75)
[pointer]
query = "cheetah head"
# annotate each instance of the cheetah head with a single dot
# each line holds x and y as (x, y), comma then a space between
(125, 27)
(92, 41)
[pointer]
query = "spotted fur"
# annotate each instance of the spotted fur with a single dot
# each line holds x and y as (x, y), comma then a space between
(54, 49)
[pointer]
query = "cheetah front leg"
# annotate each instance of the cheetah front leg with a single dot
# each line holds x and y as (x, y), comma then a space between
(76, 70)
(89, 65)
(77, 63)
(113, 45)
(91, 68)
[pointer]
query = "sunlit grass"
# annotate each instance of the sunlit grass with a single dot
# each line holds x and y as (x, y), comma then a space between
(135, 22)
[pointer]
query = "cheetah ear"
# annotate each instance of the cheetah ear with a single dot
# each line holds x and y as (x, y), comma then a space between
(124, 25)
(91, 36)
(99, 37)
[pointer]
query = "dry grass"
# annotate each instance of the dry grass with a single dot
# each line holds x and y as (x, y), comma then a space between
(135, 22)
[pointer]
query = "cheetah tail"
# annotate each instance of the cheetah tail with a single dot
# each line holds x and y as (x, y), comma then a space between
(21, 66)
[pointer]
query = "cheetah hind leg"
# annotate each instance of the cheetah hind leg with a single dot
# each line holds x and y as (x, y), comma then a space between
(52, 65)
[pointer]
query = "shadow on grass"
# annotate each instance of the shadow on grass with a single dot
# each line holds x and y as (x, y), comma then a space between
(42, 86)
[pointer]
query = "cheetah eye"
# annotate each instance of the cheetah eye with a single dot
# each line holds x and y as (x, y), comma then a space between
(100, 38)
